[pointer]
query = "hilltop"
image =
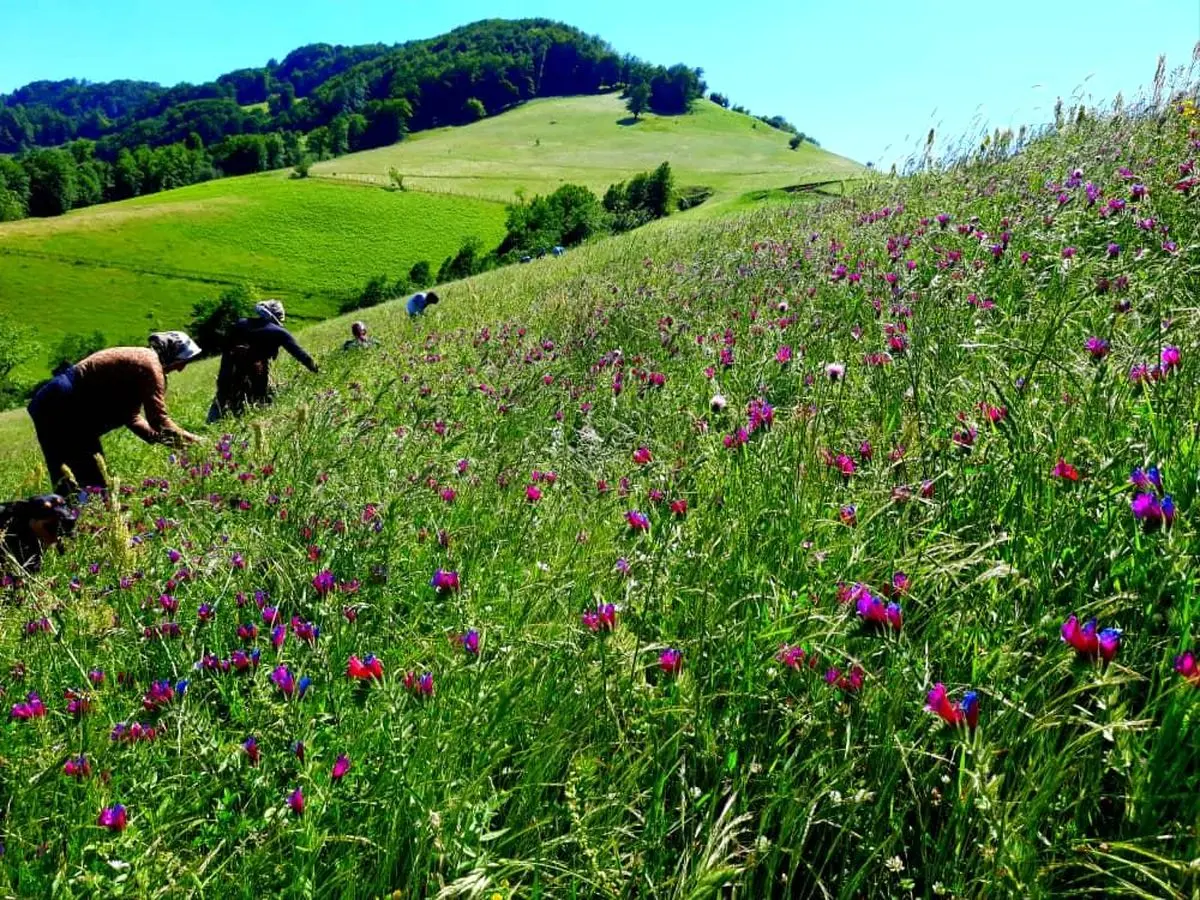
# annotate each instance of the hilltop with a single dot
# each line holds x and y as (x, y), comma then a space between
(595, 142)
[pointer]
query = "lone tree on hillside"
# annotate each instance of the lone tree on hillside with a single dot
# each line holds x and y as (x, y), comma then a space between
(796, 141)
(639, 99)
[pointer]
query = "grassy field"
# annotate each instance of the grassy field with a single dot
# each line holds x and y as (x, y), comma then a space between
(125, 266)
(593, 141)
(847, 472)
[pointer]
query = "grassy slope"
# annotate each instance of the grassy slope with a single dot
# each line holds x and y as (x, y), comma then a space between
(126, 267)
(591, 141)
(563, 763)
(310, 242)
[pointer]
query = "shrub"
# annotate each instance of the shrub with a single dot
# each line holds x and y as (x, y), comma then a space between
(213, 318)
(421, 274)
(74, 347)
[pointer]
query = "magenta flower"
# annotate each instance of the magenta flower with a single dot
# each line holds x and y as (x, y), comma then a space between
(966, 712)
(793, 657)
(670, 661)
(78, 767)
(1065, 471)
(324, 582)
(295, 800)
(340, 767)
(470, 641)
(283, 679)
(114, 818)
(445, 580)
(1171, 358)
(250, 746)
(783, 355)
(638, 521)
(1089, 643)
(365, 669)
(642, 456)
(602, 618)
(1186, 665)
(872, 610)
(1097, 347)
(419, 685)
(533, 493)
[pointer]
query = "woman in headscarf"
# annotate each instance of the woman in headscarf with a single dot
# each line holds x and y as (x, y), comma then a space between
(121, 386)
(245, 374)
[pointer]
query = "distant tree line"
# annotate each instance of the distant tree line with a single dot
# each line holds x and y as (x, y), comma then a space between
(74, 144)
(779, 122)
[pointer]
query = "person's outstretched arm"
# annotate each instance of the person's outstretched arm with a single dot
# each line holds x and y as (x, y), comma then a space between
(156, 426)
(292, 346)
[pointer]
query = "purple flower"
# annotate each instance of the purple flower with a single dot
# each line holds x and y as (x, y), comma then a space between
(1114, 250)
(295, 800)
(323, 582)
(1097, 347)
(340, 767)
(638, 521)
(114, 818)
(470, 641)
(670, 661)
(445, 580)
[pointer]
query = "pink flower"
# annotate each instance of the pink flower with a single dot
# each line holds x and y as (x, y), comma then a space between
(783, 355)
(366, 669)
(670, 661)
(340, 767)
(1065, 471)
(642, 456)
(602, 618)
(533, 493)
(965, 712)
(114, 818)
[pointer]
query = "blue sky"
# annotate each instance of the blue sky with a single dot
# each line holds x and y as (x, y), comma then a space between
(867, 78)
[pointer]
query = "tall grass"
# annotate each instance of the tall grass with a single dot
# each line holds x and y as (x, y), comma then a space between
(565, 762)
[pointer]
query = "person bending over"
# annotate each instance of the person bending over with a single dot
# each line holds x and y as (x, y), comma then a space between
(418, 303)
(121, 386)
(245, 374)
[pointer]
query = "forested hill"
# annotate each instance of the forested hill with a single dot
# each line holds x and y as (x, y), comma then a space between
(497, 62)
(76, 144)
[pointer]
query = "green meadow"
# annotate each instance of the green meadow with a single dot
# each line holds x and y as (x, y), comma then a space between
(594, 141)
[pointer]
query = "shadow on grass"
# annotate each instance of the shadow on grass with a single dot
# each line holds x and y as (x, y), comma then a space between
(628, 120)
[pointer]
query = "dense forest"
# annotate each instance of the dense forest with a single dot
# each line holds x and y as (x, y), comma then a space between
(72, 144)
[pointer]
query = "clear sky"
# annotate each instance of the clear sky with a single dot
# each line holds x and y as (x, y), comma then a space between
(868, 78)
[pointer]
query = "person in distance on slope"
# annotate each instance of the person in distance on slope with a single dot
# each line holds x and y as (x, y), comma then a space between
(358, 338)
(417, 303)
(121, 386)
(245, 373)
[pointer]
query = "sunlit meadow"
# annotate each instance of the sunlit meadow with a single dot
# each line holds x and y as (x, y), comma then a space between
(836, 550)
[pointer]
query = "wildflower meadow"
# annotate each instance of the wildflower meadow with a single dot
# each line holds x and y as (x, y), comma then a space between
(834, 549)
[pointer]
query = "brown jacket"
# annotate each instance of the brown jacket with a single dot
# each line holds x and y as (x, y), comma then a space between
(112, 388)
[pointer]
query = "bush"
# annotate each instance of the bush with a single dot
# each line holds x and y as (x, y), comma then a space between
(74, 347)
(643, 198)
(474, 110)
(795, 141)
(212, 319)
(421, 274)
(465, 263)
(302, 167)
(377, 290)
(569, 216)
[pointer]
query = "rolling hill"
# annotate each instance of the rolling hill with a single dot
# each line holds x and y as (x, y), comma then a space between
(593, 141)
(126, 267)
